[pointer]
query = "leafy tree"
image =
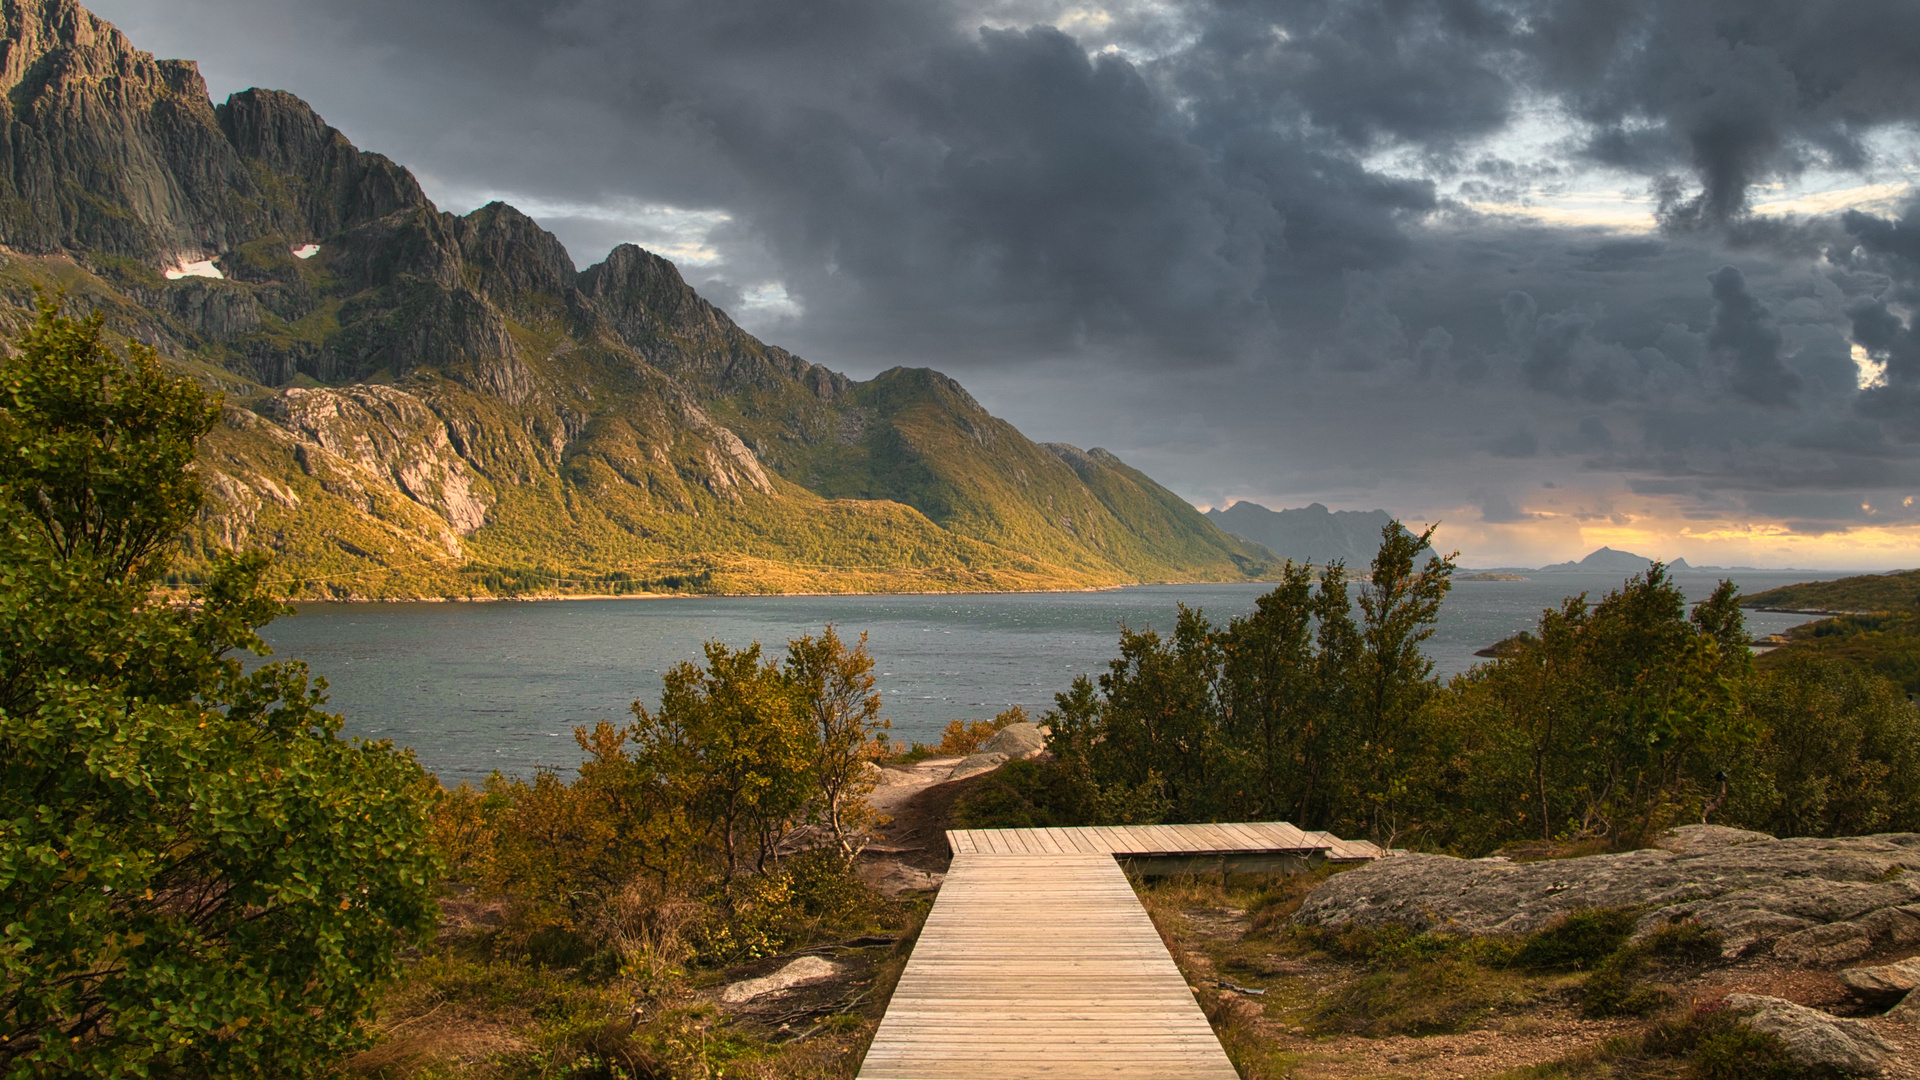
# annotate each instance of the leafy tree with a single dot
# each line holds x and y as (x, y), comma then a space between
(1156, 723)
(731, 742)
(197, 875)
(1287, 670)
(1614, 720)
(835, 686)
(1399, 607)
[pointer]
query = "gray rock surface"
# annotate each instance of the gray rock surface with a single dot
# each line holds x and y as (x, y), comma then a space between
(1886, 984)
(1700, 839)
(977, 763)
(807, 969)
(1018, 741)
(890, 878)
(1815, 1038)
(1815, 901)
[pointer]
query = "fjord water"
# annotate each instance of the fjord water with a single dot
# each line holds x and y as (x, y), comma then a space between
(477, 687)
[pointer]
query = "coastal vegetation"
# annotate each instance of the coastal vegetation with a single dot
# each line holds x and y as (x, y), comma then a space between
(1612, 721)
(198, 876)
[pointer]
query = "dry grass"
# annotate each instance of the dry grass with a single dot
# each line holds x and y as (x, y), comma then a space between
(470, 1009)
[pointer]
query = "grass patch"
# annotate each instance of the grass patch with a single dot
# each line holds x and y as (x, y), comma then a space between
(1705, 1042)
(516, 1002)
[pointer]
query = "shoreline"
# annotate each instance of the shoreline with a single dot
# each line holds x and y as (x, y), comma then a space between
(543, 598)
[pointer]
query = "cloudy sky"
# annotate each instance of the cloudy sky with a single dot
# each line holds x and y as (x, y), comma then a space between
(1556, 274)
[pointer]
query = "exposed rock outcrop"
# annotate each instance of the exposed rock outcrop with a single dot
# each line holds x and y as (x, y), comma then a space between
(1017, 741)
(974, 764)
(1814, 1038)
(1814, 901)
(889, 877)
(1883, 984)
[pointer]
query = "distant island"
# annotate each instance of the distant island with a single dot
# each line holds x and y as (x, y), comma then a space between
(1604, 559)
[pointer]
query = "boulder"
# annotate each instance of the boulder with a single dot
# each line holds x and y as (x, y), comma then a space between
(1812, 900)
(977, 763)
(883, 776)
(807, 969)
(1814, 1038)
(1885, 984)
(1018, 741)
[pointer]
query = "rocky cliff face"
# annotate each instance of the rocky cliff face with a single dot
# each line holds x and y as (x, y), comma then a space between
(425, 403)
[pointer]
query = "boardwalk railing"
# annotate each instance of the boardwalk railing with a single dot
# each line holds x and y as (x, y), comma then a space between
(1038, 961)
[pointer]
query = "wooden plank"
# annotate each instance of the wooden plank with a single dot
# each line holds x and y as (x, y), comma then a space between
(1249, 839)
(1216, 838)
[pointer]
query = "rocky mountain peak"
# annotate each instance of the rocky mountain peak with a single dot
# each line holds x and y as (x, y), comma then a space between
(517, 260)
(644, 296)
(339, 187)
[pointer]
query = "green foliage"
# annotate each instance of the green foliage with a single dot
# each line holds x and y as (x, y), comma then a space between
(1886, 644)
(95, 448)
(1415, 983)
(1684, 942)
(1578, 940)
(730, 745)
(1294, 711)
(720, 828)
(1705, 1042)
(1716, 1046)
(835, 687)
(1039, 794)
(1608, 724)
(962, 737)
(197, 875)
(1617, 987)
(1840, 754)
(1614, 722)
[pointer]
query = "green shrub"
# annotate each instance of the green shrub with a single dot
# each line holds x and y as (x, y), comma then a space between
(1685, 941)
(1717, 1046)
(1618, 987)
(201, 877)
(1579, 940)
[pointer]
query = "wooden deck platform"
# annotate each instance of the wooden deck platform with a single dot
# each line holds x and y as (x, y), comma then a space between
(1241, 838)
(1038, 961)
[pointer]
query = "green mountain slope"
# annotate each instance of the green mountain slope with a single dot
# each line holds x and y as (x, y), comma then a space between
(1897, 591)
(424, 404)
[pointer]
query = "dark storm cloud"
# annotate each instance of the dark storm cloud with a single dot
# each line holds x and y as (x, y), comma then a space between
(1733, 91)
(1892, 247)
(1499, 510)
(1744, 337)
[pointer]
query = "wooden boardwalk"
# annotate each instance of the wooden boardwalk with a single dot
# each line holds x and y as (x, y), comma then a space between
(1038, 961)
(1244, 838)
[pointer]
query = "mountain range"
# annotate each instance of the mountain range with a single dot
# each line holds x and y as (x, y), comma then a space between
(425, 404)
(1309, 534)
